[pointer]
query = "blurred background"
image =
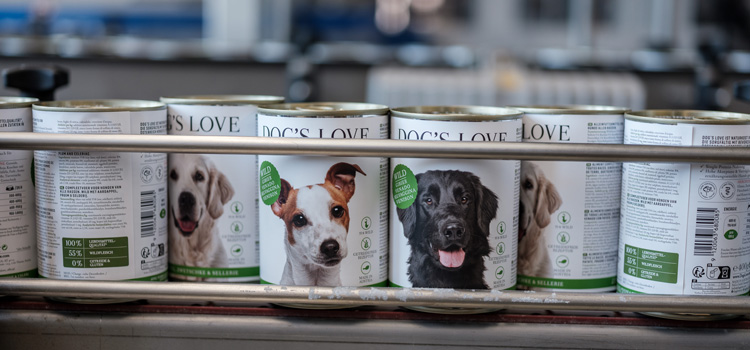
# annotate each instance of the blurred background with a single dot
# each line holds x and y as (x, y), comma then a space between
(632, 53)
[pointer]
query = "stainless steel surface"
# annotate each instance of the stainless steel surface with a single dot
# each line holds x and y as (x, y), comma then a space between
(324, 109)
(254, 293)
(25, 329)
(107, 105)
(457, 113)
(373, 148)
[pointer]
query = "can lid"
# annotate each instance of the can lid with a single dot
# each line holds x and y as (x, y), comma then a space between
(571, 109)
(324, 109)
(99, 106)
(222, 99)
(16, 102)
(668, 116)
(457, 113)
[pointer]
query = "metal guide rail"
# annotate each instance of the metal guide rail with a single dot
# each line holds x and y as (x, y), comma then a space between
(346, 296)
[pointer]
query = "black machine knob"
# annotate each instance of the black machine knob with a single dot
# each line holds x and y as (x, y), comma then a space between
(36, 81)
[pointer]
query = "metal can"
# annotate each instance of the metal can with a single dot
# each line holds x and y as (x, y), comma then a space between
(213, 216)
(315, 228)
(570, 211)
(101, 215)
(684, 227)
(454, 222)
(18, 257)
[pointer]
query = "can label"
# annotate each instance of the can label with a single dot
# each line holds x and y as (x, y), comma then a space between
(213, 225)
(685, 228)
(324, 220)
(18, 257)
(454, 222)
(101, 215)
(570, 211)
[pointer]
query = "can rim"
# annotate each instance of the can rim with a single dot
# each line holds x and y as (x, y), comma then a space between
(457, 113)
(688, 116)
(570, 109)
(324, 109)
(8, 102)
(222, 99)
(112, 105)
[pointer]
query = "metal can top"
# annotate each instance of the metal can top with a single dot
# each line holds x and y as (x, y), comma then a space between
(571, 109)
(16, 102)
(457, 113)
(667, 116)
(324, 109)
(99, 106)
(222, 99)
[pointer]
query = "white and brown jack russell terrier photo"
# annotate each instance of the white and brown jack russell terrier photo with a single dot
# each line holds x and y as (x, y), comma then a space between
(317, 223)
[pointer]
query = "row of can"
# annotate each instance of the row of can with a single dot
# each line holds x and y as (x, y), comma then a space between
(311, 220)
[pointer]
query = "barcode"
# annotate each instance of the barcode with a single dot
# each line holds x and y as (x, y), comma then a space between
(148, 208)
(706, 223)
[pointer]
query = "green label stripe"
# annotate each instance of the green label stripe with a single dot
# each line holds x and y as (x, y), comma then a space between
(404, 186)
(381, 284)
(651, 265)
(95, 252)
(214, 272)
(391, 284)
(25, 274)
(567, 283)
(623, 290)
(155, 278)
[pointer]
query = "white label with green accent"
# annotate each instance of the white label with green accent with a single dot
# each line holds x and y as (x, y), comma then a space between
(569, 210)
(454, 222)
(685, 228)
(18, 256)
(213, 218)
(324, 220)
(101, 215)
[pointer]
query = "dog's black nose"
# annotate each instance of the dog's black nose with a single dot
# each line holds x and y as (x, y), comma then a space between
(186, 202)
(453, 231)
(329, 248)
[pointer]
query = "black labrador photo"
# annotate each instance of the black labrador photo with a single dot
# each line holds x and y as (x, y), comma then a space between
(448, 228)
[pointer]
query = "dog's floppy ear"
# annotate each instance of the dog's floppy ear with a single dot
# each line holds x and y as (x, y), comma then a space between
(548, 200)
(408, 216)
(486, 205)
(283, 197)
(220, 191)
(341, 175)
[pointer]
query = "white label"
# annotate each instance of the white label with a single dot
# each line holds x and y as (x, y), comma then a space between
(685, 228)
(101, 215)
(303, 233)
(17, 222)
(570, 210)
(454, 222)
(221, 244)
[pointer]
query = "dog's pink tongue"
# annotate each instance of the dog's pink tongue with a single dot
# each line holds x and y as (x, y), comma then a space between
(187, 226)
(453, 258)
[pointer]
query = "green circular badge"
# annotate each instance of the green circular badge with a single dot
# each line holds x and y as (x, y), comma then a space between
(404, 186)
(270, 183)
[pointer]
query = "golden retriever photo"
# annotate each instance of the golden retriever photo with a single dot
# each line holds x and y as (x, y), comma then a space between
(539, 199)
(197, 194)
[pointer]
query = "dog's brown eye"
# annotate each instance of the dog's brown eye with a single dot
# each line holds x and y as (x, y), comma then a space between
(198, 177)
(464, 200)
(337, 211)
(428, 201)
(299, 220)
(528, 185)
(173, 175)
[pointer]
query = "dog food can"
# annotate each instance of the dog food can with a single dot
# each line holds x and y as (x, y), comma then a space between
(685, 228)
(18, 256)
(213, 198)
(454, 222)
(101, 215)
(570, 211)
(324, 220)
